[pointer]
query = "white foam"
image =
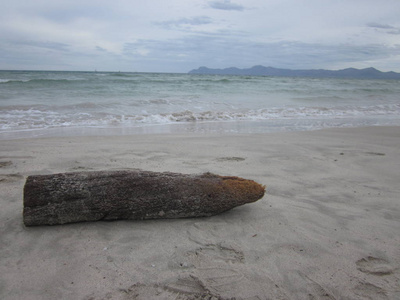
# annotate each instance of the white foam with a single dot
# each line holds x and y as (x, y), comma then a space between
(41, 118)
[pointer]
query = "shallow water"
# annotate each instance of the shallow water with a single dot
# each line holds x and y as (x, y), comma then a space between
(40, 103)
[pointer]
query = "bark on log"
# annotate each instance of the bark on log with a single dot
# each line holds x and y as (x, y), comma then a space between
(112, 195)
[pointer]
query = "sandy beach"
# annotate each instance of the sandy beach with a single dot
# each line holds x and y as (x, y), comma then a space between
(327, 228)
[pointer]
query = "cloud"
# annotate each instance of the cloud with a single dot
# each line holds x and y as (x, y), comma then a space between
(183, 22)
(380, 26)
(395, 32)
(101, 49)
(45, 45)
(384, 28)
(225, 5)
(126, 35)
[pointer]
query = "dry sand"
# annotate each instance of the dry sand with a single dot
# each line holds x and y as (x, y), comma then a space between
(327, 228)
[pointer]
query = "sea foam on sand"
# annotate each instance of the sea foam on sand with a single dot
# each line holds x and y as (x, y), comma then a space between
(327, 228)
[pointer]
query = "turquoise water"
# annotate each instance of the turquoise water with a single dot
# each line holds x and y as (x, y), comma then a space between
(39, 103)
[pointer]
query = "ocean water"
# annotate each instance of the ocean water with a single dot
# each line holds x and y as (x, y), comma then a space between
(41, 103)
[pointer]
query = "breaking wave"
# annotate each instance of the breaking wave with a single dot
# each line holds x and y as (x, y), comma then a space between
(19, 118)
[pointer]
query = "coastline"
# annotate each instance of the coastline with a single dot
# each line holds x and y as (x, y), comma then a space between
(232, 127)
(327, 227)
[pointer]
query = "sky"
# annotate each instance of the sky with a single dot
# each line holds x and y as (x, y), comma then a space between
(179, 35)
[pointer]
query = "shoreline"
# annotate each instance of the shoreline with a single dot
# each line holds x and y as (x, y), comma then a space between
(207, 127)
(327, 226)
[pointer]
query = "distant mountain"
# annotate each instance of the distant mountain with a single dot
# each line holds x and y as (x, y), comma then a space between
(369, 73)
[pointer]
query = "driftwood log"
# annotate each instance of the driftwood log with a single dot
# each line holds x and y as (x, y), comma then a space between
(112, 195)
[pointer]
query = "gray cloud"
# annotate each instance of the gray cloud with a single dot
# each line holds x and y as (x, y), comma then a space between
(136, 36)
(34, 55)
(217, 50)
(44, 44)
(380, 26)
(71, 13)
(396, 32)
(385, 28)
(101, 49)
(179, 23)
(225, 5)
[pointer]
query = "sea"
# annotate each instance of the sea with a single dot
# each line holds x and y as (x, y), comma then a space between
(50, 103)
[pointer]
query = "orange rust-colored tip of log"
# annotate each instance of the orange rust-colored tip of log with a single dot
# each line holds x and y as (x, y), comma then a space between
(245, 189)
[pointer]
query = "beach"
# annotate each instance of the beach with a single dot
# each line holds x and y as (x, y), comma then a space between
(327, 228)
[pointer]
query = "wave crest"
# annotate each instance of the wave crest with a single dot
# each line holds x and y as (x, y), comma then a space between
(41, 117)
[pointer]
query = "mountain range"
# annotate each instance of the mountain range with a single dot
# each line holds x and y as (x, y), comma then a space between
(368, 73)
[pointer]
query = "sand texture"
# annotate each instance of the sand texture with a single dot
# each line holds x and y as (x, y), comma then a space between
(328, 226)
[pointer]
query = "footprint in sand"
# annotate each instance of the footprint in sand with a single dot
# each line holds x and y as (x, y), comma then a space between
(206, 233)
(217, 253)
(220, 279)
(375, 266)
(219, 270)
(10, 177)
(303, 287)
(317, 291)
(205, 256)
(210, 272)
(230, 159)
(370, 291)
(4, 164)
(189, 287)
(185, 288)
(237, 283)
(218, 283)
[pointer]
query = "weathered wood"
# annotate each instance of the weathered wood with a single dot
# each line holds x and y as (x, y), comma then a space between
(112, 195)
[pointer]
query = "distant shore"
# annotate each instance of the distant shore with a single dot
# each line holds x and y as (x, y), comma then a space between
(367, 73)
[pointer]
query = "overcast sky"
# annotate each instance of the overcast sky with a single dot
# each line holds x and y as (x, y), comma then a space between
(180, 35)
